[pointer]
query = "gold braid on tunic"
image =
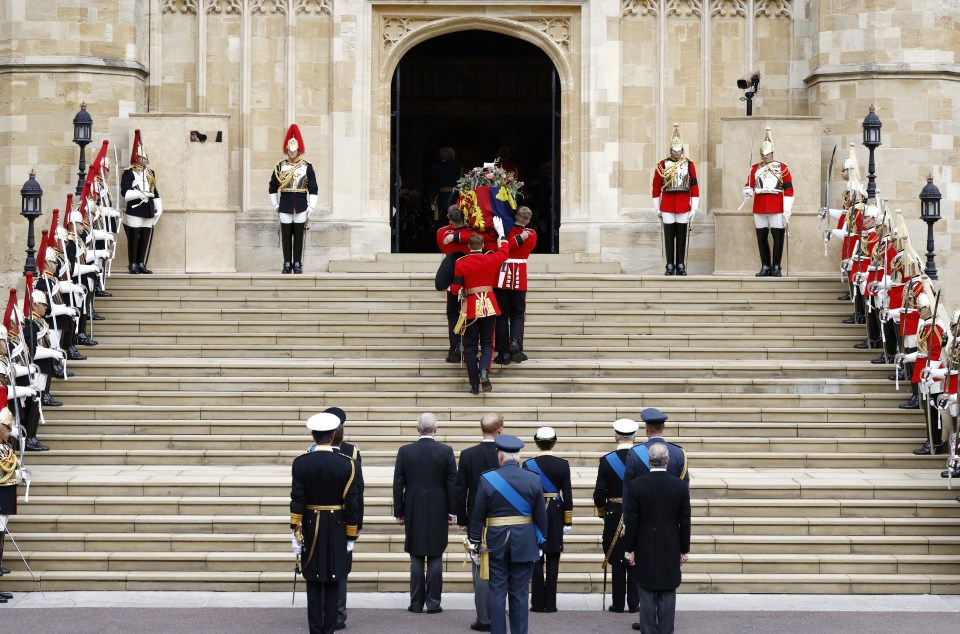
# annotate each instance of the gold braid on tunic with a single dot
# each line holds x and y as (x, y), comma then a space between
(668, 173)
(9, 463)
(923, 338)
(285, 177)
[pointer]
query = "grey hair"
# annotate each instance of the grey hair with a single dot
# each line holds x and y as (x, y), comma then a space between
(625, 437)
(427, 423)
(510, 457)
(659, 455)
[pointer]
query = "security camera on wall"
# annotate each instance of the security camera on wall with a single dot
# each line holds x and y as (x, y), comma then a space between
(750, 83)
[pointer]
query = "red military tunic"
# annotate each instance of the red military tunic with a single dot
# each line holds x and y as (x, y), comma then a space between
(475, 275)
(882, 259)
(675, 194)
(928, 348)
(861, 258)
(771, 183)
(460, 237)
(513, 273)
(910, 318)
(853, 209)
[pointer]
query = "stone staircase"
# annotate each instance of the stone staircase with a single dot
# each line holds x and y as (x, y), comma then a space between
(170, 468)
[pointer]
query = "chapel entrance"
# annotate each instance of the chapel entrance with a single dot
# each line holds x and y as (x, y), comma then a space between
(476, 92)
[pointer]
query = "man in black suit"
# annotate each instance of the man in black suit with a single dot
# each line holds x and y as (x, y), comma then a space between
(424, 494)
(352, 452)
(554, 475)
(323, 518)
(507, 527)
(657, 536)
(473, 462)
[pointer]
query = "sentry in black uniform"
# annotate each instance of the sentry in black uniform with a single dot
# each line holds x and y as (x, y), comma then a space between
(607, 497)
(324, 503)
(293, 192)
(554, 475)
(138, 188)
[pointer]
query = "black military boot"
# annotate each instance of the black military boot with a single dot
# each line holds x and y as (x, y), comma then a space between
(669, 243)
(779, 235)
(49, 401)
(764, 247)
(133, 238)
(681, 229)
(914, 402)
(74, 355)
(286, 245)
(297, 247)
(142, 244)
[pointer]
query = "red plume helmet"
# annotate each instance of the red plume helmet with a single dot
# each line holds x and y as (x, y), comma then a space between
(67, 210)
(136, 152)
(54, 221)
(293, 133)
(42, 251)
(11, 305)
(27, 296)
(95, 165)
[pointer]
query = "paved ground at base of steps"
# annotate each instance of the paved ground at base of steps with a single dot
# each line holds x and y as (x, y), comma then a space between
(237, 613)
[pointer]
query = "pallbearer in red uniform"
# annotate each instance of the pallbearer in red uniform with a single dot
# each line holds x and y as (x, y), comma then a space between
(451, 240)
(511, 290)
(474, 277)
(771, 187)
(676, 197)
(293, 192)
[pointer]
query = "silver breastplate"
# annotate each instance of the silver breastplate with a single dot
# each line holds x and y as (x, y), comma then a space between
(292, 176)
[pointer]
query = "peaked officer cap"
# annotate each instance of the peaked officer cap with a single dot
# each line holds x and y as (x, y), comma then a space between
(508, 444)
(545, 433)
(625, 426)
(653, 416)
(324, 421)
(339, 413)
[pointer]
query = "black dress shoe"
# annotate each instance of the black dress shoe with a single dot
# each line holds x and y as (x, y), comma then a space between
(670, 270)
(516, 354)
(899, 375)
(410, 608)
(844, 298)
(340, 626)
(477, 626)
(634, 610)
(950, 474)
(436, 610)
(636, 626)
(913, 403)
(74, 355)
(101, 293)
(98, 317)
(882, 359)
(764, 271)
(3, 600)
(776, 271)
(852, 319)
(533, 609)
(615, 609)
(681, 269)
(922, 451)
(33, 444)
(6, 596)
(287, 268)
(84, 340)
(863, 345)
(49, 401)
(143, 269)
(474, 389)
(502, 359)
(453, 356)
(297, 268)
(133, 269)
(485, 381)
(552, 610)
(4, 571)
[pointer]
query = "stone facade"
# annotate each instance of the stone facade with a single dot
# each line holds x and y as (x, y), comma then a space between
(627, 70)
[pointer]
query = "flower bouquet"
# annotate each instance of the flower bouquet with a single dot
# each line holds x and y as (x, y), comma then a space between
(486, 192)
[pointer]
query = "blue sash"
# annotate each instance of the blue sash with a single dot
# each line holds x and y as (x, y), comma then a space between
(616, 463)
(548, 486)
(644, 454)
(515, 499)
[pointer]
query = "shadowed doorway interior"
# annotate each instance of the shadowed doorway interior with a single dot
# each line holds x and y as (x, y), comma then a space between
(476, 92)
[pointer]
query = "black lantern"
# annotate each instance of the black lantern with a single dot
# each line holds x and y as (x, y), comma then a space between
(871, 139)
(31, 195)
(82, 129)
(930, 213)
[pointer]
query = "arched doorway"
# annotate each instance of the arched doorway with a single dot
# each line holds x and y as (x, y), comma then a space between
(475, 92)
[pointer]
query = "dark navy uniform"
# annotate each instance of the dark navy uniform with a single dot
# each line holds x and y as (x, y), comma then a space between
(607, 497)
(352, 452)
(474, 461)
(509, 539)
(324, 505)
(637, 463)
(554, 476)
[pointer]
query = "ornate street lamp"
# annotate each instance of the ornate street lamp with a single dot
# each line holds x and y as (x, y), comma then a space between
(31, 195)
(930, 213)
(82, 128)
(871, 139)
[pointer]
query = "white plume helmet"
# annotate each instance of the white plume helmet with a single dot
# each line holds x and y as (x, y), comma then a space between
(676, 142)
(39, 297)
(76, 217)
(767, 146)
(854, 182)
(871, 211)
(6, 417)
(923, 301)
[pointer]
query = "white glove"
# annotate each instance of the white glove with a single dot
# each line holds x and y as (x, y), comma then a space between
(694, 207)
(158, 209)
(498, 226)
(475, 557)
(787, 207)
(567, 529)
(311, 204)
(350, 544)
(145, 196)
(275, 200)
(100, 234)
(838, 233)
(297, 549)
(19, 391)
(62, 309)
(748, 192)
(539, 553)
(84, 269)
(132, 195)
(47, 353)
(936, 373)
(110, 212)
(910, 358)
(19, 370)
(656, 205)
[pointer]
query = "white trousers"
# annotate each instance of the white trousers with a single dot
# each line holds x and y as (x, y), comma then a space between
(298, 218)
(669, 219)
(136, 222)
(768, 221)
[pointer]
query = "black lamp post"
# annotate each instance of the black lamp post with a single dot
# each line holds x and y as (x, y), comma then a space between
(930, 213)
(871, 139)
(31, 194)
(82, 126)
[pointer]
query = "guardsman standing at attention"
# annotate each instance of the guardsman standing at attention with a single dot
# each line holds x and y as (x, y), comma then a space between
(771, 187)
(138, 187)
(607, 497)
(293, 192)
(452, 241)
(474, 276)
(508, 524)
(676, 197)
(323, 517)
(554, 475)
